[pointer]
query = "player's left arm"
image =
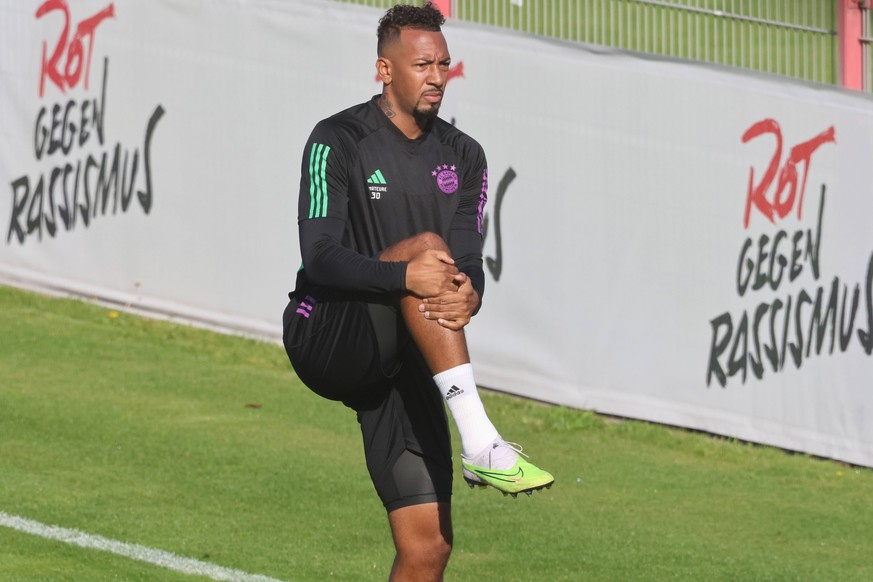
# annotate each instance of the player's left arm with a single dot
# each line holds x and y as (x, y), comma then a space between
(454, 310)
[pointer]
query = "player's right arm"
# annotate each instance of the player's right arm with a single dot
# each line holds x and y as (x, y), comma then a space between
(323, 220)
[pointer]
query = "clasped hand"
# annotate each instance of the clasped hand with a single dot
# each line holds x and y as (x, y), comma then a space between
(447, 294)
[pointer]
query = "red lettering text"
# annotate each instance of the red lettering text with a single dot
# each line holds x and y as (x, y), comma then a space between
(786, 194)
(76, 57)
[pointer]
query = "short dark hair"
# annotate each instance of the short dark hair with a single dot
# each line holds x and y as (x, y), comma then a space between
(400, 16)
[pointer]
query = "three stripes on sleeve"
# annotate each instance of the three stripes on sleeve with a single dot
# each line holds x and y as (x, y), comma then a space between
(318, 180)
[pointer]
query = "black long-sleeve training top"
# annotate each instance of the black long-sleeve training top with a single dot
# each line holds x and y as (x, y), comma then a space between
(365, 186)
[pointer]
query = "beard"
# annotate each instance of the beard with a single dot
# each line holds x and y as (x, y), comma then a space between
(423, 116)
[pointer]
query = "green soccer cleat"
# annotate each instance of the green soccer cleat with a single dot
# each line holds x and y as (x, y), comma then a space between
(521, 477)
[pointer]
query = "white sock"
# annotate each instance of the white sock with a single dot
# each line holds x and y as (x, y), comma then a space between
(458, 387)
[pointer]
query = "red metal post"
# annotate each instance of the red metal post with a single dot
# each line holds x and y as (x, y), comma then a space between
(851, 15)
(445, 6)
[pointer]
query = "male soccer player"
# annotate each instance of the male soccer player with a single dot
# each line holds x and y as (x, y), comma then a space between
(390, 224)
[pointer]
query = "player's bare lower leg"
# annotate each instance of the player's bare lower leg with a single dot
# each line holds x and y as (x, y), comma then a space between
(488, 459)
(423, 540)
(431, 274)
(442, 348)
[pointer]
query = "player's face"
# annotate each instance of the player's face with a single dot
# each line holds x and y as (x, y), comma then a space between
(420, 70)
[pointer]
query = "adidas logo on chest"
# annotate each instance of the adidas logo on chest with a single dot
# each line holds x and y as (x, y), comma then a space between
(377, 185)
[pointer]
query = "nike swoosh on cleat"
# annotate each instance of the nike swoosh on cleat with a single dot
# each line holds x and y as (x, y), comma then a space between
(515, 478)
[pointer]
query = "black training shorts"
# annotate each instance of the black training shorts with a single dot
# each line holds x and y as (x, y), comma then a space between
(359, 352)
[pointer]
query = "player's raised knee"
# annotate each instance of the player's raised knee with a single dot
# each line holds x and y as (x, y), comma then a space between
(408, 248)
(431, 241)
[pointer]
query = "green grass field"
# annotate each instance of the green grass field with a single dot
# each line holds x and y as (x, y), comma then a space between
(207, 446)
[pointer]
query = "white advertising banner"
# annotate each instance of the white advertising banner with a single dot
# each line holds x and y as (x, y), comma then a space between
(665, 241)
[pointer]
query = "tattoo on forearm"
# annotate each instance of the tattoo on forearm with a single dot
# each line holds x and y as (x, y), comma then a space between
(386, 106)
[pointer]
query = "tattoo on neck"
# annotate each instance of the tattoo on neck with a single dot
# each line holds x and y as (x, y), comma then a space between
(385, 104)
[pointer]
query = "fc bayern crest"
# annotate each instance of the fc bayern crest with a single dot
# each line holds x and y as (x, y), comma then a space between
(447, 178)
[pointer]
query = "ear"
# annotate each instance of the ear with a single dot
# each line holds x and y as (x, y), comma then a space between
(383, 70)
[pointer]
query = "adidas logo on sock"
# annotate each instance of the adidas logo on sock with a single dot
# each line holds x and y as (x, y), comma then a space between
(453, 391)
